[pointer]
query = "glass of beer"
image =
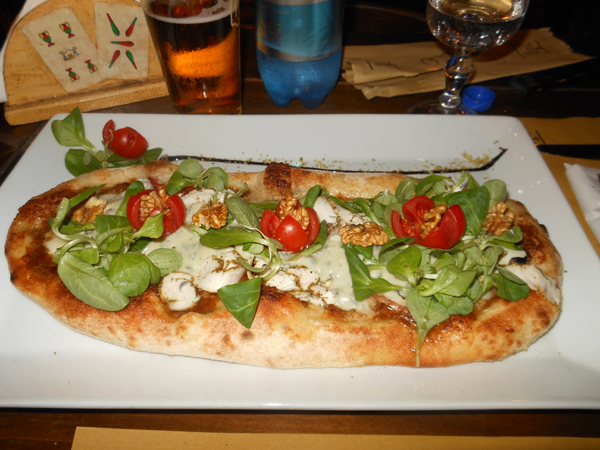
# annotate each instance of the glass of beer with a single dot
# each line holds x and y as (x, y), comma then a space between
(198, 42)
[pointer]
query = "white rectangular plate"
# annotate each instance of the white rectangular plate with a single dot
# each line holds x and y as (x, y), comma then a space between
(45, 364)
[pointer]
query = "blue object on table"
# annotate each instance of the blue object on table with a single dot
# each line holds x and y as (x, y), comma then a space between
(299, 48)
(478, 98)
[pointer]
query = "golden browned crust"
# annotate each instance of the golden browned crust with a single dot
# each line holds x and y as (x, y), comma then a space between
(280, 180)
(286, 332)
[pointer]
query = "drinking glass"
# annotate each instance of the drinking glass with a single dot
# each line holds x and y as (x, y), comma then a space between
(470, 26)
(198, 43)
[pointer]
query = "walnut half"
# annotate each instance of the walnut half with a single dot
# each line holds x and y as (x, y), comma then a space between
(290, 206)
(88, 212)
(499, 219)
(364, 235)
(211, 215)
(153, 201)
(432, 219)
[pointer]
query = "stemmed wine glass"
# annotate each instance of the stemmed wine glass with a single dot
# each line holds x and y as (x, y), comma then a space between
(469, 26)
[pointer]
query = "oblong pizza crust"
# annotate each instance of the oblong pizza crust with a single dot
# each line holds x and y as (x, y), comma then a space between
(286, 332)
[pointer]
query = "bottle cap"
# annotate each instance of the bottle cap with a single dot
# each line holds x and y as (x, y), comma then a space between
(478, 98)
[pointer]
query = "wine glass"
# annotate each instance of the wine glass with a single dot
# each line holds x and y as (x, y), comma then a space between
(469, 26)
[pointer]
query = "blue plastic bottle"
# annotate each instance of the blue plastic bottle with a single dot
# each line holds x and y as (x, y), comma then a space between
(299, 48)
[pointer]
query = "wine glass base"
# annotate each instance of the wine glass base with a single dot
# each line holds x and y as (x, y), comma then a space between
(433, 107)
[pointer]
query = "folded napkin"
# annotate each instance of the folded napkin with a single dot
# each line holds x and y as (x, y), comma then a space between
(401, 69)
(585, 183)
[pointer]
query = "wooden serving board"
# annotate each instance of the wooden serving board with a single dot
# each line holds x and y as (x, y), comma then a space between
(33, 91)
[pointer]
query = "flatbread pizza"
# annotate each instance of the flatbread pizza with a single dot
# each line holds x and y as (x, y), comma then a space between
(289, 268)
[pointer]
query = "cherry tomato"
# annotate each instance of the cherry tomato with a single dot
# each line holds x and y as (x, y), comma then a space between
(126, 142)
(444, 236)
(291, 235)
(436, 238)
(133, 210)
(313, 226)
(186, 190)
(155, 183)
(288, 231)
(172, 219)
(107, 131)
(175, 203)
(453, 224)
(414, 209)
(269, 223)
(404, 228)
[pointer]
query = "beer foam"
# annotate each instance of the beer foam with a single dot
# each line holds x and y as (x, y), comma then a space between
(222, 9)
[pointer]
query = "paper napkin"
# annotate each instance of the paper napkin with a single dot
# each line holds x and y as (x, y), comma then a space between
(585, 183)
(402, 69)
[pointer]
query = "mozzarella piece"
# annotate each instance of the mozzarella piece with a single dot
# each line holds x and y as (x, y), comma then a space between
(178, 291)
(509, 254)
(212, 268)
(283, 281)
(113, 201)
(537, 281)
(321, 278)
(219, 271)
(348, 217)
(294, 278)
(304, 284)
(325, 211)
(194, 200)
(54, 244)
(202, 196)
(306, 278)
(146, 182)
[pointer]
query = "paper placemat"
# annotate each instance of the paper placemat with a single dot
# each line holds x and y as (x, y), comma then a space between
(585, 183)
(570, 131)
(402, 69)
(115, 439)
(556, 164)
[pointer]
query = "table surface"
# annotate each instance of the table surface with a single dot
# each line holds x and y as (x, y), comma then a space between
(49, 428)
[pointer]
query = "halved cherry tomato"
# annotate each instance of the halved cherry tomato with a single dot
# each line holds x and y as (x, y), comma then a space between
(125, 142)
(436, 238)
(186, 190)
(414, 209)
(453, 224)
(156, 184)
(107, 131)
(172, 219)
(133, 210)
(444, 236)
(291, 235)
(288, 231)
(269, 223)
(313, 226)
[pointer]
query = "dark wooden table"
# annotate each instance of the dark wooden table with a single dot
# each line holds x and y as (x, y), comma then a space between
(54, 429)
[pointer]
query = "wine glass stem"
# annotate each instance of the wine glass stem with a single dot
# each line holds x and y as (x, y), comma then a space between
(458, 70)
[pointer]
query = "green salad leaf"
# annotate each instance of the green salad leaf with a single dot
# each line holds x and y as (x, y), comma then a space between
(70, 132)
(90, 285)
(241, 299)
(130, 273)
(427, 312)
(363, 284)
(191, 174)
